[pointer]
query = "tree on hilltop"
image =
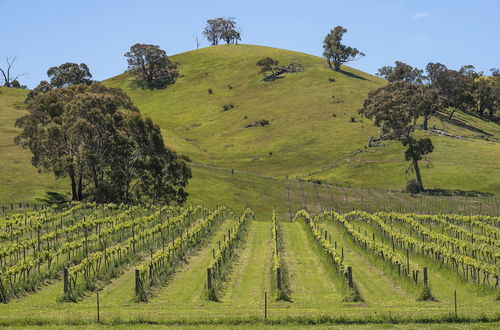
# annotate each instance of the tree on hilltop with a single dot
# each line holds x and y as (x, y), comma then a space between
(150, 66)
(221, 28)
(8, 79)
(337, 53)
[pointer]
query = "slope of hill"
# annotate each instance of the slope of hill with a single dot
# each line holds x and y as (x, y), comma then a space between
(314, 126)
(303, 133)
(311, 134)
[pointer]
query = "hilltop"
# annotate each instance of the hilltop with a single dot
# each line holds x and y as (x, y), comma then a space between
(314, 131)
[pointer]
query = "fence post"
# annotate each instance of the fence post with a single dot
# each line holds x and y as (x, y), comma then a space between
(455, 298)
(265, 305)
(209, 278)
(65, 276)
(137, 283)
(278, 278)
(98, 311)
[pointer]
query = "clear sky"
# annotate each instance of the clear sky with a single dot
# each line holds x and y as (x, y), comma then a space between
(98, 32)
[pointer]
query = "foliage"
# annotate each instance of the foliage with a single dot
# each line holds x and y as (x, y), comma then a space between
(68, 74)
(222, 29)
(150, 66)
(95, 136)
(220, 263)
(337, 53)
(279, 268)
(401, 72)
(267, 64)
(396, 109)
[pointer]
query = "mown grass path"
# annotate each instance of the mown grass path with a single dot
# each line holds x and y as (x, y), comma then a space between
(250, 276)
(311, 283)
(375, 286)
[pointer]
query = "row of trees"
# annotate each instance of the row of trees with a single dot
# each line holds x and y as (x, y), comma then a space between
(221, 28)
(464, 89)
(96, 137)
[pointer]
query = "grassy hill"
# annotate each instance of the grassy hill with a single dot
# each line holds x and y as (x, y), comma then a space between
(311, 133)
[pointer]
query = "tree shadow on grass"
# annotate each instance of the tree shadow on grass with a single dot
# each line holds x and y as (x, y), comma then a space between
(351, 75)
(461, 123)
(450, 192)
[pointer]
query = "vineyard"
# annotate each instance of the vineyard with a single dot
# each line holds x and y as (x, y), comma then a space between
(194, 264)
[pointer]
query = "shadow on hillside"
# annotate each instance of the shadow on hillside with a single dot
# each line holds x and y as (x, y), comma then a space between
(461, 123)
(352, 75)
(449, 192)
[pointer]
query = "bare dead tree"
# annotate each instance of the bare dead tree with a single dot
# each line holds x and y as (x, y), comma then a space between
(197, 39)
(6, 73)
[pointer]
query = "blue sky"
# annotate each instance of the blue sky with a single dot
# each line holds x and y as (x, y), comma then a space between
(47, 33)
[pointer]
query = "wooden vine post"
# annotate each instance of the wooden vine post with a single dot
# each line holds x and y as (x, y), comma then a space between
(209, 279)
(349, 277)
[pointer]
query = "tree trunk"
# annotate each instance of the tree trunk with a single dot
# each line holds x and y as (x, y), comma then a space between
(80, 187)
(452, 113)
(74, 196)
(426, 122)
(417, 174)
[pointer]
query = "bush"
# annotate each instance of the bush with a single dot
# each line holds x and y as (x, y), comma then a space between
(210, 91)
(331, 79)
(353, 119)
(227, 107)
(262, 122)
(412, 187)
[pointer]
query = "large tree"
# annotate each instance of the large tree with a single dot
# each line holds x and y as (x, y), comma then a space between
(96, 137)
(396, 109)
(454, 86)
(337, 53)
(221, 28)
(150, 66)
(401, 71)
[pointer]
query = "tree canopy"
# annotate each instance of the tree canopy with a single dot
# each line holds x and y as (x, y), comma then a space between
(401, 71)
(68, 74)
(150, 66)
(94, 135)
(337, 53)
(396, 109)
(221, 28)
(267, 64)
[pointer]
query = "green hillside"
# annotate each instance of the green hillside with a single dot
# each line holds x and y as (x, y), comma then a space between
(311, 134)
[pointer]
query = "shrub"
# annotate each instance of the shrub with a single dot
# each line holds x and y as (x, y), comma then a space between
(353, 119)
(210, 91)
(227, 107)
(331, 79)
